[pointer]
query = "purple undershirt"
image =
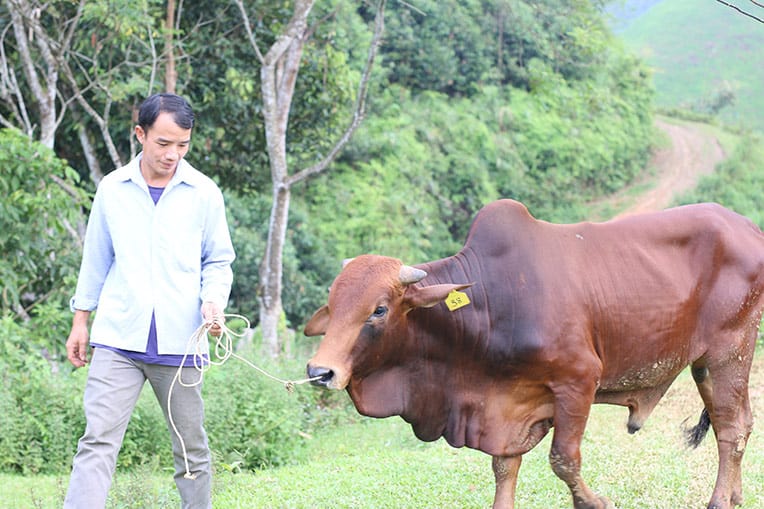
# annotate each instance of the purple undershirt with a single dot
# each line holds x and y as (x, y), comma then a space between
(151, 356)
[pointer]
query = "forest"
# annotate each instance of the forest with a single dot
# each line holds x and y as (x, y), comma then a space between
(403, 120)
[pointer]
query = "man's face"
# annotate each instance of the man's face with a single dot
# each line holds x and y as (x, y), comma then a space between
(164, 145)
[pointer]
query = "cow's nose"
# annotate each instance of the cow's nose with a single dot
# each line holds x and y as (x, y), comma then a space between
(320, 376)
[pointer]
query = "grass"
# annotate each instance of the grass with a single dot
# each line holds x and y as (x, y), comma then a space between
(380, 464)
(698, 50)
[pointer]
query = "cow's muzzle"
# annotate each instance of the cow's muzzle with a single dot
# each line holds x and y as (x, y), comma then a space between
(319, 376)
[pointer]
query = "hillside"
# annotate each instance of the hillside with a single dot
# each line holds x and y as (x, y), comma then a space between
(689, 153)
(702, 54)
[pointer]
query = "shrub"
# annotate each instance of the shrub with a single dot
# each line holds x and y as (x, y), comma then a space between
(41, 221)
(40, 411)
(252, 421)
(736, 183)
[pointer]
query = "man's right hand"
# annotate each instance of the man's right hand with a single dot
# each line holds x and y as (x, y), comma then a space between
(77, 342)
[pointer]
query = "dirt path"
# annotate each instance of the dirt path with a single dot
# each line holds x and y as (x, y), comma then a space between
(691, 154)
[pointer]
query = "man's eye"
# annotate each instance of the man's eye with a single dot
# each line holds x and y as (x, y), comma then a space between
(380, 311)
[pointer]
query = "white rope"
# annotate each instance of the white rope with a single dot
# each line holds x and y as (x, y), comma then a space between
(198, 344)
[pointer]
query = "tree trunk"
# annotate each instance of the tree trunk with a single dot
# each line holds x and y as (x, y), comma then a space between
(278, 76)
(25, 20)
(96, 174)
(171, 75)
(278, 73)
(271, 274)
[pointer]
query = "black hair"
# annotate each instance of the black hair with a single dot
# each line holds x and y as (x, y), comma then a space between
(181, 111)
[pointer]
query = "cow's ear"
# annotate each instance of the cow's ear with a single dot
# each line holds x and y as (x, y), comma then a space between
(318, 322)
(428, 296)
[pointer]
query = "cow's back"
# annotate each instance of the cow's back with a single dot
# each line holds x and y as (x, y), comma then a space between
(630, 284)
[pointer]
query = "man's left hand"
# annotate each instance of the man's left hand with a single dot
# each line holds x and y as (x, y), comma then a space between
(213, 317)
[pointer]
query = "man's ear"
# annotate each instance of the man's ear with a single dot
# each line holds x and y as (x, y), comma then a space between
(428, 296)
(318, 322)
(140, 134)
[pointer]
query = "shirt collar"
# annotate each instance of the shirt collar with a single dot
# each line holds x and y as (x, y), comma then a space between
(183, 174)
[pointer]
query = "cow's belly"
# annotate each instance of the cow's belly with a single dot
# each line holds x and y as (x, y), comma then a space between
(620, 376)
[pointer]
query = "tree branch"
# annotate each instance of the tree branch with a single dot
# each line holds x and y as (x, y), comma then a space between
(741, 11)
(250, 34)
(360, 105)
(295, 29)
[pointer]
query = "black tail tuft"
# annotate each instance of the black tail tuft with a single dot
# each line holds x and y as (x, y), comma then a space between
(697, 433)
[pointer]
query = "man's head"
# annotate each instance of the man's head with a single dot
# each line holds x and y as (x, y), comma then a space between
(178, 107)
(164, 129)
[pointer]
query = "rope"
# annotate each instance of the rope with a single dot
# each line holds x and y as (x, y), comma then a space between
(198, 344)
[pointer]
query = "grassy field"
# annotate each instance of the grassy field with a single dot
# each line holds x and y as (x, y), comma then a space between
(379, 464)
(697, 50)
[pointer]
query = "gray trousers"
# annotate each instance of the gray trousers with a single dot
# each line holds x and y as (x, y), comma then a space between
(113, 386)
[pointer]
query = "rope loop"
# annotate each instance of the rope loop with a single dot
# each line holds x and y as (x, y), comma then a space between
(198, 346)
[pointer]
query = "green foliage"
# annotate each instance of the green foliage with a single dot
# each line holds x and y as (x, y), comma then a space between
(225, 89)
(578, 140)
(437, 45)
(40, 217)
(454, 47)
(416, 174)
(40, 412)
(305, 267)
(401, 184)
(736, 183)
(252, 421)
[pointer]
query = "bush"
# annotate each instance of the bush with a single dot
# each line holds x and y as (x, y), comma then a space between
(736, 183)
(41, 221)
(41, 414)
(252, 421)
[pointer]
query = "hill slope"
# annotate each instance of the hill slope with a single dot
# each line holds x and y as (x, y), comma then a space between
(700, 52)
(691, 151)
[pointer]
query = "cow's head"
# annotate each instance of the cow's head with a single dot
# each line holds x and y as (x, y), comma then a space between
(364, 322)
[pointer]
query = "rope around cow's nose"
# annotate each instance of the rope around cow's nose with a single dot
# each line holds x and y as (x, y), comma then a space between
(198, 344)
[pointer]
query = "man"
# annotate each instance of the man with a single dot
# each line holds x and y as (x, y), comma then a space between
(156, 265)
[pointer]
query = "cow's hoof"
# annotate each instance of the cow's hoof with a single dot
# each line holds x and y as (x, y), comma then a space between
(597, 503)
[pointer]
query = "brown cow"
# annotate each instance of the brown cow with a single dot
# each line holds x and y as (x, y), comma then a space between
(553, 318)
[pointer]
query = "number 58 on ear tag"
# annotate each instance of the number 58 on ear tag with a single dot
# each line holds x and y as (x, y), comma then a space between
(456, 300)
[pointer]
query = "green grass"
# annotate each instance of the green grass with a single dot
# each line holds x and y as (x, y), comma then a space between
(697, 49)
(380, 464)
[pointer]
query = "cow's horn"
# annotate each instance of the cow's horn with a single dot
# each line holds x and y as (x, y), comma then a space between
(409, 275)
(346, 261)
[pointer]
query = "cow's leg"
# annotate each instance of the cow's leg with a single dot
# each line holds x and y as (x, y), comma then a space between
(724, 389)
(573, 401)
(505, 470)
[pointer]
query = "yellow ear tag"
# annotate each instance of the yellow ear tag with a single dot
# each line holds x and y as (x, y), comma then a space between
(456, 300)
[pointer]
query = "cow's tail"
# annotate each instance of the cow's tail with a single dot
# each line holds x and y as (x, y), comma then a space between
(697, 433)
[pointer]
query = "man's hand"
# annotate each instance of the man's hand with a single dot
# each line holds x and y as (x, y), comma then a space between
(213, 317)
(77, 342)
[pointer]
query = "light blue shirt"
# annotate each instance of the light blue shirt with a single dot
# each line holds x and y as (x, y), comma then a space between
(167, 258)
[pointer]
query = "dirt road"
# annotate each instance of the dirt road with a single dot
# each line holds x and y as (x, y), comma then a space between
(691, 154)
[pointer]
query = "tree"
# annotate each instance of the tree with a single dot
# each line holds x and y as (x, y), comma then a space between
(82, 58)
(40, 68)
(40, 205)
(279, 68)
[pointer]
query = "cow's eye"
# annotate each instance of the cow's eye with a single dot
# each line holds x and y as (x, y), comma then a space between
(379, 312)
